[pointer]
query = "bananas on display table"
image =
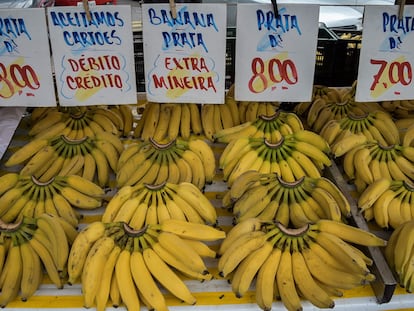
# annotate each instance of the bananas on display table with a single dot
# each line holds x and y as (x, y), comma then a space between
(183, 206)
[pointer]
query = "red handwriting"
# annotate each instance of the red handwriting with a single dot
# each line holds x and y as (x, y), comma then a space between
(391, 73)
(17, 77)
(273, 71)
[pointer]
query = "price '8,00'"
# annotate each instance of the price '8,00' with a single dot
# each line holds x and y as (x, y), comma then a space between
(17, 77)
(266, 74)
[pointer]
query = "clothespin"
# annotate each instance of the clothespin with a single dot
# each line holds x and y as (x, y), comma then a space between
(275, 10)
(86, 8)
(173, 9)
(401, 4)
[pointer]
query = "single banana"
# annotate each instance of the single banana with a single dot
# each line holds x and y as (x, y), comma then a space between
(92, 269)
(11, 276)
(80, 248)
(32, 271)
(192, 231)
(173, 130)
(185, 121)
(145, 282)
(266, 279)
(286, 282)
(8, 181)
(103, 292)
(126, 285)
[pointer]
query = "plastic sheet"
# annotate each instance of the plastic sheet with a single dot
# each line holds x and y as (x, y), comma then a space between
(9, 120)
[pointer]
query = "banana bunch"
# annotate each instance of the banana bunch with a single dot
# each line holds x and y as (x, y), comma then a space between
(145, 204)
(399, 255)
(311, 262)
(376, 126)
(318, 91)
(165, 122)
(78, 122)
(335, 105)
(216, 118)
(120, 265)
(371, 161)
(270, 198)
(93, 158)
(29, 248)
(271, 127)
(399, 108)
(403, 124)
(176, 161)
(302, 153)
(389, 202)
(26, 196)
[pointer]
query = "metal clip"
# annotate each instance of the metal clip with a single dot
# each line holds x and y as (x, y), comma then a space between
(275, 9)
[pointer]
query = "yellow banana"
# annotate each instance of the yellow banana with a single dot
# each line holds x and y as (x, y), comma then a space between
(8, 181)
(57, 236)
(372, 193)
(266, 279)
(245, 226)
(192, 231)
(191, 194)
(286, 282)
(175, 245)
(46, 257)
(174, 125)
(79, 199)
(246, 271)
(11, 275)
(307, 285)
(181, 266)
(126, 285)
(241, 248)
(336, 192)
(185, 121)
(195, 119)
(80, 248)
(103, 292)
(92, 270)
(145, 282)
(32, 271)
(161, 131)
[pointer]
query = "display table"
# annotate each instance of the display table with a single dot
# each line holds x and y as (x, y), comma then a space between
(211, 295)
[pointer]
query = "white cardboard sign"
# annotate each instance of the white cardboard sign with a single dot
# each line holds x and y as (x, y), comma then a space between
(387, 54)
(275, 56)
(185, 57)
(93, 59)
(25, 65)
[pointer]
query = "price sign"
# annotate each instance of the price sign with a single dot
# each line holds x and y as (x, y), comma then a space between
(185, 54)
(387, 55)
(25, 64)
(93, 55)
(275, 55)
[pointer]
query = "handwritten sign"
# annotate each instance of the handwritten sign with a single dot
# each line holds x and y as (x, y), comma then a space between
(185, 56)
(386, 62)
(94, 59)
(275, 55)
(25, 64)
